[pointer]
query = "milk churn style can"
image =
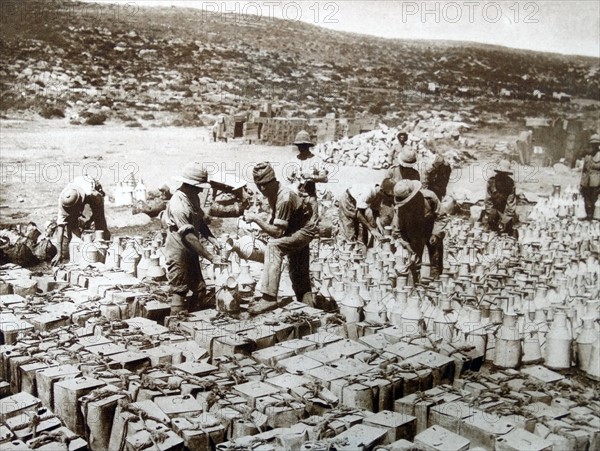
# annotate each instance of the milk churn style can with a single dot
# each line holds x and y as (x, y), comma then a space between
(352, 304)
(508, 344)
(558, 343)
(585, 342)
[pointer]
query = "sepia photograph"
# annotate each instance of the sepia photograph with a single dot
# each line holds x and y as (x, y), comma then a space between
(312, 225)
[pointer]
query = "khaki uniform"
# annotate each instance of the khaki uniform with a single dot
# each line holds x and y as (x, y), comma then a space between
(293, 171)
(78, 218)
(184, 215)
(590, 183)
(358, 197)
(295, 215)
(500, 204)
(417, 221)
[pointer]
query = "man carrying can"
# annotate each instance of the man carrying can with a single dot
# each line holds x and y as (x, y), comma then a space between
(184, 219)
(80, 205)
(419, 224)
(291, 227)
(359, 211)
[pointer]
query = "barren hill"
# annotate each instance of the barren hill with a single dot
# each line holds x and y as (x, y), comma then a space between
(60, 57)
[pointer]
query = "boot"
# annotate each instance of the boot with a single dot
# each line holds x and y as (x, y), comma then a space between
(177, 304)
(263, 305)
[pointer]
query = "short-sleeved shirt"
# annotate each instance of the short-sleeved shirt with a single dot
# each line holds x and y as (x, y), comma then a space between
(90, 193)
(184, 215)
(398, 172)
(290, 211)
(293, 171)
(366, 196)
(590, 175)
(296, 167)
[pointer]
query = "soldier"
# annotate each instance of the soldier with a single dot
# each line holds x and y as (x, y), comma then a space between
(419, 224)
(291, 227)
(402, 138)
(590, 177)
(406, 167)
(185, 223)
(437, 176)
(74, 217)
(525, 147)
(501, 201)
(359, 211)
(306, 169)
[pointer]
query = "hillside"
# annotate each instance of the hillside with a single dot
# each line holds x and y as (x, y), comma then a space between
(88, 60)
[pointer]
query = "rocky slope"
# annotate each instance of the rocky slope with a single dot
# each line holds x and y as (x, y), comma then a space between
(90, 62)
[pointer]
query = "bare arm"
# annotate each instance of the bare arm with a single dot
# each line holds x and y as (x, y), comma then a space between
(275, 231)
(318, 174)
(360, 215)
(321, 177)
(427, 177)
(195, 244)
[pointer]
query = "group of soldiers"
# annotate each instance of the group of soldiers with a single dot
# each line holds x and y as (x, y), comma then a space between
(401, 205)
(291, 225)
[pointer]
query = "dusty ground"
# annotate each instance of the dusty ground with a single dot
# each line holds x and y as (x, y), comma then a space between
(37, 158)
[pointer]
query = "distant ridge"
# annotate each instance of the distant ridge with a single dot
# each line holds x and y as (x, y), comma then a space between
(192, 62)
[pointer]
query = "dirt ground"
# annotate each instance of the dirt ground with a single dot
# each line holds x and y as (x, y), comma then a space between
(38, 157)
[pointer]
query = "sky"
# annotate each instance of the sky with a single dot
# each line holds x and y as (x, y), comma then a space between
(569, 27)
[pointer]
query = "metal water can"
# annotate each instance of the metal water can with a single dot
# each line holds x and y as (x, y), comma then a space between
(508, 344)
(352, 304)
(113, 255)
(474, 328)
(412, 318)
(558, 343)
(585, 342)
(375, 311)
(532, 351)
(444, 321)
(75, 251)
(593, 368)
(397, 306)
(130, 259)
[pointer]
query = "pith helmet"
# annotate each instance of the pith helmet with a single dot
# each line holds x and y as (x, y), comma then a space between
(407, 157)
(405, 190)
(303, 138)
(70, 197)
(504, 166)
(195, 175)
